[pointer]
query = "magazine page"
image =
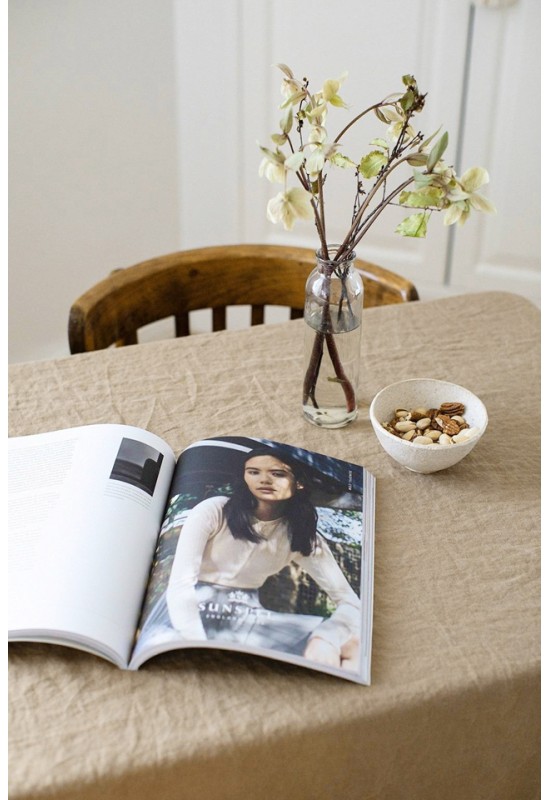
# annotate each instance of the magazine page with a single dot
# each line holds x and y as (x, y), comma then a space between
(85, 509)
(268, 549)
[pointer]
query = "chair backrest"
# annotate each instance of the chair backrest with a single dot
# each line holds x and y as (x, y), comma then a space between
(112, 311)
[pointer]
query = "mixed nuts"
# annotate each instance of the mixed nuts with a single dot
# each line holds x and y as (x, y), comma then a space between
(445, 425)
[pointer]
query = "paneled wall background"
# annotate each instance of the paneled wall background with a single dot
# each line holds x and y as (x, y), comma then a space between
(134, 130)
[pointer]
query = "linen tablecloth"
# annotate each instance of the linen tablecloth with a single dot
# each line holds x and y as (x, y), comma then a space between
(453, 709)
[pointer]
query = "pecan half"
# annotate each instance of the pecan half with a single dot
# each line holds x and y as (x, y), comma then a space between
(452, 409)
(447, 425)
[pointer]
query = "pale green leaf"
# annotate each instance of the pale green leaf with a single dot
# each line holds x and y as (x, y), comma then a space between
(417, 159)
(372, 163)
(285, 123)
(278, 138)
(416, 226)
(430, 197)
(314, 186)
(437, 151)
(380, 143)
(407, 101)
(422, 178)
(340, 160)
(428, 141)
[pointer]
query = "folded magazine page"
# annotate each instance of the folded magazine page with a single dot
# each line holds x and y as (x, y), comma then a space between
(85, 508)
(268, 549)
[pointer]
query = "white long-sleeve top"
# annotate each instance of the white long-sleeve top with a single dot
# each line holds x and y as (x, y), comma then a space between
(207, 551)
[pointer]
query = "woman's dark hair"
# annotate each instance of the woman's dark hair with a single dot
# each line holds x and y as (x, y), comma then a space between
(299, 512)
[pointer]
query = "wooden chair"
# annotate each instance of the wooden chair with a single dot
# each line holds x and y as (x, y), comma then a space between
(112, 311)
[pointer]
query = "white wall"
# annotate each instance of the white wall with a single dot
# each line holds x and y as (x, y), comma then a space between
(93, 144)
(134, 123)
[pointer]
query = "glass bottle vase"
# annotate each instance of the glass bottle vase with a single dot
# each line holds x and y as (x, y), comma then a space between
(332, 316)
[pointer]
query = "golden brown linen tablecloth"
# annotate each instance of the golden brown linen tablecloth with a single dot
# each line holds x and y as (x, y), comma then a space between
(453, 710)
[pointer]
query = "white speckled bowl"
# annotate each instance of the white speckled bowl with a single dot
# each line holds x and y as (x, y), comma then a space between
(425, 393)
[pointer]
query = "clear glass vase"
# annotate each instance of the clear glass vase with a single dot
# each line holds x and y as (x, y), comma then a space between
(332, 313)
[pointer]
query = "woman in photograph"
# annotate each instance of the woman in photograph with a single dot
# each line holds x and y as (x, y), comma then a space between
(229, 546)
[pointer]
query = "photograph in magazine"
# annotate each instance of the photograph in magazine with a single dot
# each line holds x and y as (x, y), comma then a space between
(260, 550)
(138, 464)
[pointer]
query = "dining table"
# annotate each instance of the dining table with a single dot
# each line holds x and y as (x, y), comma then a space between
(453, 708)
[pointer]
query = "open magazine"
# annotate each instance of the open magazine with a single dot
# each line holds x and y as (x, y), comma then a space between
(118, 548)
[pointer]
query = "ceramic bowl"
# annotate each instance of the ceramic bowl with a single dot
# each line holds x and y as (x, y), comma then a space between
(425, 393)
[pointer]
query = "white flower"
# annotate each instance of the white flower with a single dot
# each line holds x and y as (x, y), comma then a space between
(315, 162)
(287, 207)
(444, 174)
(291, 89)
(472, 180)
(272, 165)
(395, 118)
(330, 91)
(317, 134)
(292, 92)
(316, 111)
(275, 173)
(436, 184)
(319, 155)
(464, 196)
(390, 114)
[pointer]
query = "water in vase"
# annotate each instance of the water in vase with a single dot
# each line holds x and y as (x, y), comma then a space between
(328, 406)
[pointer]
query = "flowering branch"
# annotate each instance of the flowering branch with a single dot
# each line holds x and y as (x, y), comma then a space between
(433, 184)
(436, 187)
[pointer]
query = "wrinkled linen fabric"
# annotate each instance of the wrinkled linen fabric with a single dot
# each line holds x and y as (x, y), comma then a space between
(453, 709)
